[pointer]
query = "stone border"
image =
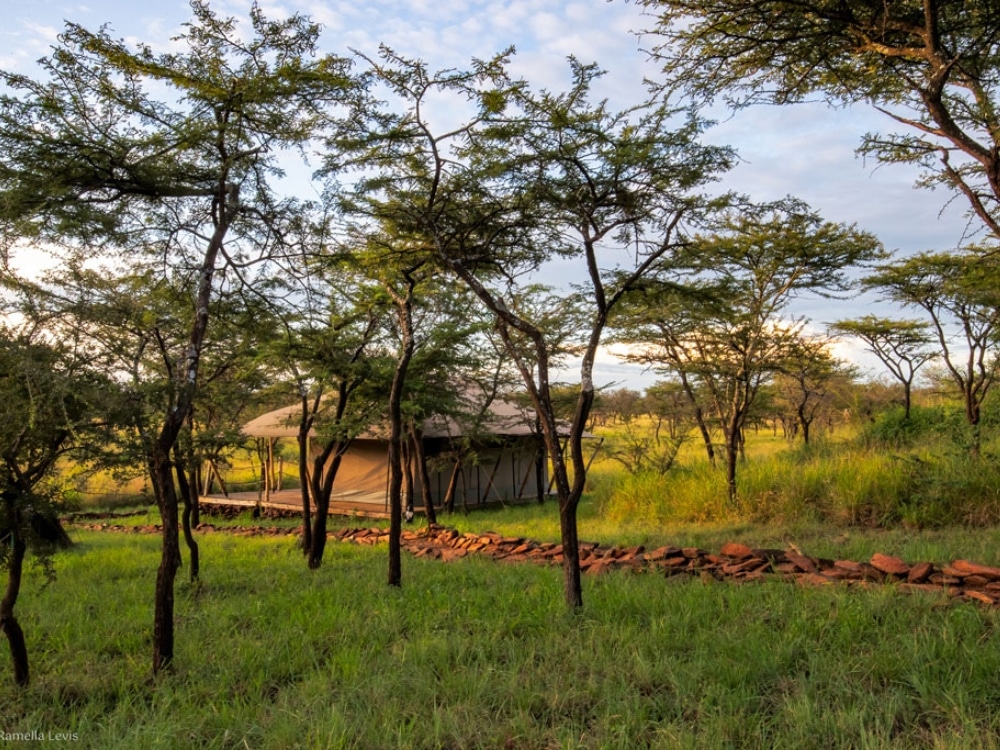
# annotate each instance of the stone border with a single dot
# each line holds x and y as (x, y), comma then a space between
(960, 580)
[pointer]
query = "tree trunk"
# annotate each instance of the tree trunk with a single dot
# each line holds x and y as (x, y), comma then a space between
(304, 482)
(318, 535)
(449, 494)
(8, 621)
(732, 457)
(425, 480)
(805, 422)
(404, 306)
(699, 418)
(572, 588)
(170, 560)
(323, 479)
(189, 503)
(540, 483)
(395, 513)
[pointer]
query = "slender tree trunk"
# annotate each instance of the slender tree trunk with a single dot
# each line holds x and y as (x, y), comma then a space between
(409, 489)
(540, 483)
(699, 418)
(318, 533)
(323, 479)
(425, 480)
(448, 503)
(304, 489)
(395, 512)
(732, 458)
(404, 304)
(161, 472)
(186, 495)
(170, 560)
(973, 414)
(8, 621)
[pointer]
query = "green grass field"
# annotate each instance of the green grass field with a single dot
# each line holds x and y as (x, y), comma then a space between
(480, 654)
(475, 654)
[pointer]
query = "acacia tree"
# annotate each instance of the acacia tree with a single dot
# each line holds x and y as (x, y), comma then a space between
(807, 378)
(958, 293)
(901, 345)
(932, 66)
(528, 178)
(180, 181)
(54, 405)
(734, 333)
(333, 353)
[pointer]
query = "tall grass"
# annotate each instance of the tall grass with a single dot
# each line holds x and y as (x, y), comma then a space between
(474, 654)
(916, 472)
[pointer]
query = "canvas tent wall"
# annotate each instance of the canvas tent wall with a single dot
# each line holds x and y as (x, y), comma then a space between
(500, 460)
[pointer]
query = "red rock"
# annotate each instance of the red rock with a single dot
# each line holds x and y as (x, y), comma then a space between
(953, 572)
(803, 563)
(942, 579)
(599, 567)
(448, 554)
(871, 573)
(889, 565)
(977, 581)
(971, 568)
(662, 553)
(919, 572)
(692, 552)
(980, 596)
(675, 562)
(785, 567)
(736, 551)
(753, 564)
(848, 566)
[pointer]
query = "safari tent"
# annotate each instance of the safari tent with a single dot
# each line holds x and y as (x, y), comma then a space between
(500, 459)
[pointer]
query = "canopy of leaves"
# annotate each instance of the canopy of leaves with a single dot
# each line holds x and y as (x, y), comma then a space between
(931, 65)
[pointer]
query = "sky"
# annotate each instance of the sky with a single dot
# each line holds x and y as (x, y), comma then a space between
(807, 151)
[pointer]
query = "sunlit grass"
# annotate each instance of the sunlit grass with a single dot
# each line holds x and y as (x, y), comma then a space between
(476, 654)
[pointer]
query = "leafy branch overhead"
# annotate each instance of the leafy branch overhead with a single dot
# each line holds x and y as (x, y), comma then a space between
(931, 66)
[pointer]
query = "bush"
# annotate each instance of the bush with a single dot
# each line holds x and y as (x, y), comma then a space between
(927, 424)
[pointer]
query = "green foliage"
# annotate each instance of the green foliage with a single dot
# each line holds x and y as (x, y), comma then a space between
(892, 429)
(931, 67)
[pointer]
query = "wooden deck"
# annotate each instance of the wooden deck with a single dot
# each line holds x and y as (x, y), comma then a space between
(364, 504)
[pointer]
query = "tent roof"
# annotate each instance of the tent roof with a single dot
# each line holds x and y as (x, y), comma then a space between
(503, 418)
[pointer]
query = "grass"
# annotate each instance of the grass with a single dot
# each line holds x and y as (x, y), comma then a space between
(474, 654)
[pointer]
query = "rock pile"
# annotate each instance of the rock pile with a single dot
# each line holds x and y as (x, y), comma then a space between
(961, 579)
(735, 562)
